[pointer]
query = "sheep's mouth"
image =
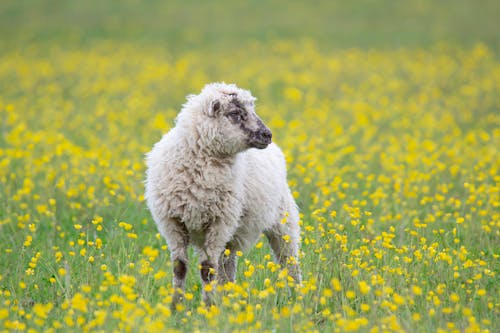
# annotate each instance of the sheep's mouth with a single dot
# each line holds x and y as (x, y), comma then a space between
(261, 138)
(260, 144)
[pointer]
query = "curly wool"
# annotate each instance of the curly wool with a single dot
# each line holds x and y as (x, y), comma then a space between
(207, 188)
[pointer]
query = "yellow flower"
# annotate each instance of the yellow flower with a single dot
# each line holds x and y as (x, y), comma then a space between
(4, 313)
(42, 310)
(398, 299)
(79, 302)
(365, 307)
(86, 288)
(454, 298)
(336, 284)
(364, 288)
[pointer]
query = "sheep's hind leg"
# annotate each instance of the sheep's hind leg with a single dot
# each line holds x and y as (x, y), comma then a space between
(285, 247)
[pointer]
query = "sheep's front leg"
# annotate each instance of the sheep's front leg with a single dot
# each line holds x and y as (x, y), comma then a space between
(284, 241)
(227, 267)
(177, 239)
(216, 239)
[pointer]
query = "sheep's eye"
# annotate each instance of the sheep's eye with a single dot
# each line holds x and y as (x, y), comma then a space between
(236, 117)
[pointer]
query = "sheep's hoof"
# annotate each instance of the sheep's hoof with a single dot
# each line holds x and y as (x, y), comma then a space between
(208, 299)
(207, 271)
(176, 300)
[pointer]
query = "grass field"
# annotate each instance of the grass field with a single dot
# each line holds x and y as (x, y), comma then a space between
(388, 113)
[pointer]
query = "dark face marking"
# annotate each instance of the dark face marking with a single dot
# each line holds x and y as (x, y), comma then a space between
(236, 117)
(259, 138)
(206, 275)
(236, 112)
(256, 138)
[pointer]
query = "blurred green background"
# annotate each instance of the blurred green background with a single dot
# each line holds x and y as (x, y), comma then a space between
(181, 25)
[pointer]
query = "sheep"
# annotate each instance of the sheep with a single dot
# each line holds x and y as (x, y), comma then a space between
(217, 182)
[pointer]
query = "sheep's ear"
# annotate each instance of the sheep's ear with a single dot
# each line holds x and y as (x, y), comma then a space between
(214, 108)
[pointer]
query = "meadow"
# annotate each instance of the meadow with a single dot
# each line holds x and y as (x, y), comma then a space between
(393, 157)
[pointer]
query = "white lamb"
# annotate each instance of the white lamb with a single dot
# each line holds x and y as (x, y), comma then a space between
(207, 186)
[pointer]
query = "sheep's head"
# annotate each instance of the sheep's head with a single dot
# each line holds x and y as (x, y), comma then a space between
(228, 122)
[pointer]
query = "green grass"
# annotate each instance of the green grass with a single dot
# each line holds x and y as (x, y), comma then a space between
(388, 113)
(184, 25)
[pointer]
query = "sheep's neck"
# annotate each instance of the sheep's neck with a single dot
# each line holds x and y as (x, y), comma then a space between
(197, 151)
(211, 182)
(211, 165)
(202, 163)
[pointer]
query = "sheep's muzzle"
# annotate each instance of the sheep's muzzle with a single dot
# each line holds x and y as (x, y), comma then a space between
(262, 137)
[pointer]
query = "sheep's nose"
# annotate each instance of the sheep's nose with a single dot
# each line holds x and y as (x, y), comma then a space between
(266, 135)
(262, 136)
